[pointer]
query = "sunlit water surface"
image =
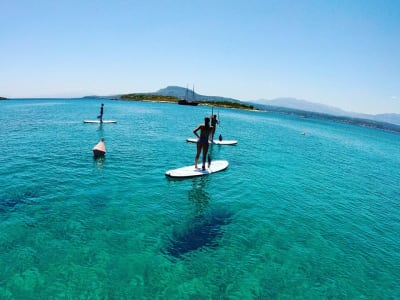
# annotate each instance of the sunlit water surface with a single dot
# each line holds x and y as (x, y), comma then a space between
(307, 208)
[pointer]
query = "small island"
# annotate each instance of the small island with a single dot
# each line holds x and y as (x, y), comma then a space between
(173, 99)
(3, 98)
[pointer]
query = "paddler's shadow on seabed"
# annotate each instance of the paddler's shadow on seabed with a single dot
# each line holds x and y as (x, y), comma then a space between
(203, 229)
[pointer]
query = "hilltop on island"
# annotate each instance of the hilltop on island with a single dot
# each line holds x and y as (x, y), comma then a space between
(175, 94)
(160, 98)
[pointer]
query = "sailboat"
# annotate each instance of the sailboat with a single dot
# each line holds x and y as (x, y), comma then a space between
(185, 101)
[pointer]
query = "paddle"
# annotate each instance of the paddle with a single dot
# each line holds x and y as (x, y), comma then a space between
(212, 121)
(209, 158)
(219, 124)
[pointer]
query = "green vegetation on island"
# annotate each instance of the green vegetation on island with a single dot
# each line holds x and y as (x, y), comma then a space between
(149, 97)
(173, 99)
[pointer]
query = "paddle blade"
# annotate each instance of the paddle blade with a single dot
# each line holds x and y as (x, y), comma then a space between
(209, 160)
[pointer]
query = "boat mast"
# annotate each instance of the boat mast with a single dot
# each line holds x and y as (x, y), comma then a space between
(186, 93)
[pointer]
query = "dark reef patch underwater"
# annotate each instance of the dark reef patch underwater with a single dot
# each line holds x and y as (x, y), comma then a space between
(204, 230)
(10, 203)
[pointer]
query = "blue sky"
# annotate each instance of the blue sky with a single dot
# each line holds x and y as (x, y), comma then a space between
(339, 53)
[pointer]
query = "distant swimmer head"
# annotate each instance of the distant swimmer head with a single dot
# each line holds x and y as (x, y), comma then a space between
(102, 139)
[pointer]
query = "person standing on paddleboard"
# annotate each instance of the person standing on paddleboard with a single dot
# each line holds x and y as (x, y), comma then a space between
(202, 143)
(101, 113)
(214, 123)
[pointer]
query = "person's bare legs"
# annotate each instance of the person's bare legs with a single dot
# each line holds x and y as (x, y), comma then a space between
(205, 150)
(196, 160)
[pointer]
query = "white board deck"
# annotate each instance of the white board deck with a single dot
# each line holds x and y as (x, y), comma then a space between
(215, 142)
(191, 171)
(98, 121)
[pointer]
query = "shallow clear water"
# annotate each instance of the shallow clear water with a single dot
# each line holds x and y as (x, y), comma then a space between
(307, 208)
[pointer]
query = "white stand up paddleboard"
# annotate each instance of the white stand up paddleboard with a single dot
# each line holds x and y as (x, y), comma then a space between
(215, 142)
(191, 171)
(98, 121)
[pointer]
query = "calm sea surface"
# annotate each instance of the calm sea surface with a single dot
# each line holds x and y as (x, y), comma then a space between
(307, 208)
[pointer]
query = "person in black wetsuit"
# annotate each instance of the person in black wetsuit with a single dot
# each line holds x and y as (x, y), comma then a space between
(214, 122)
(101, 113)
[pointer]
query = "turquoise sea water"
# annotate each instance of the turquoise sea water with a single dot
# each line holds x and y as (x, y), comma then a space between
(307, 209)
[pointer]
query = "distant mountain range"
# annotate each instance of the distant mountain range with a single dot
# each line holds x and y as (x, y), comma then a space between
(304, 105)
